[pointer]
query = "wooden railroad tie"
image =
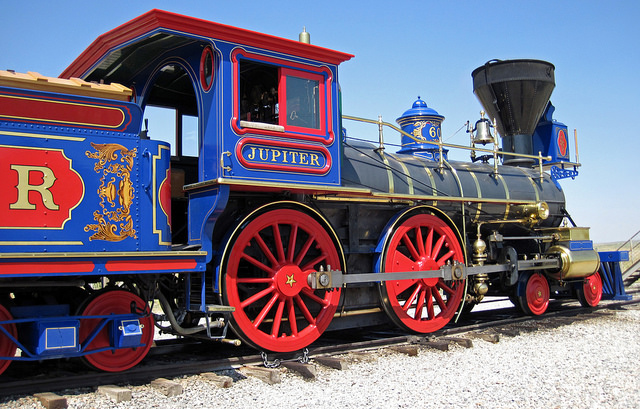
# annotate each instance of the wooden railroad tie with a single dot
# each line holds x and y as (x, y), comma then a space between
(268, 375)
(219, 380)
(116, 393)
(167, 387)
(335, 363)
(51, 401)
(307, 371)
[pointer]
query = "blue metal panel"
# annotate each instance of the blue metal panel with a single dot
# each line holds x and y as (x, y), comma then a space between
(612, 283)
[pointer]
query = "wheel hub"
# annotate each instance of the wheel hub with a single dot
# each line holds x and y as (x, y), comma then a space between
(427, 264)
(290, 280)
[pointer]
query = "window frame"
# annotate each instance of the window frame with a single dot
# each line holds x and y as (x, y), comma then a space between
(324, 133)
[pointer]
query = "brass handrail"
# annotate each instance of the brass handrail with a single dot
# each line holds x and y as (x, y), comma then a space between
(380, 123)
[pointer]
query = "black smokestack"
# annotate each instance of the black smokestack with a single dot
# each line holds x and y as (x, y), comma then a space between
(515, 93)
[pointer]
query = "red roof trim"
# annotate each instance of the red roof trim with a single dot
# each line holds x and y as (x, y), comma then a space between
(156, 19)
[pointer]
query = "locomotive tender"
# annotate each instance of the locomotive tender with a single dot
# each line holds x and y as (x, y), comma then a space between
(270, 221)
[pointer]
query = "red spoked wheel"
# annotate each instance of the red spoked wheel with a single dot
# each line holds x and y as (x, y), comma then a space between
(115, 302)
(266, 269)
(536, 295)
(7, 346)
(421, 243)
(591, 292)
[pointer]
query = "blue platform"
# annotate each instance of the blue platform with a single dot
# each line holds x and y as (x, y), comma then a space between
(612, 283)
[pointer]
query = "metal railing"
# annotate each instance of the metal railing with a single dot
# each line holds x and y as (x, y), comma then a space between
(441, 145)
(633, 264)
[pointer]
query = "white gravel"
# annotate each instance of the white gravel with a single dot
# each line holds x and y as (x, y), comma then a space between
(589, 364)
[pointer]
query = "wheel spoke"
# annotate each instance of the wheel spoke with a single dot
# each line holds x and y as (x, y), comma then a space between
(255, 297)
(420, 241)
(412, 249)
(277, 320)
(446, 257)
(265, 310)
(305, 311)
(309, 293)
(265, 249)
(303, 251)
(437, 247)
(420, 304)
(292, 243)
(430, 313)
(277, 238)
(258, 264)
(438, 297)
(312, 263)
(255, 280)
(412, 297)
(293, 324)
(444, 287)
(429, 244)
(402, 263)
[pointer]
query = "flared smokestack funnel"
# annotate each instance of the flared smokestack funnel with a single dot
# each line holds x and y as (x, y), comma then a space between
(515, 93)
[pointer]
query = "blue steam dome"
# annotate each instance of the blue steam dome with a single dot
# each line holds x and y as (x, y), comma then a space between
(423, 124)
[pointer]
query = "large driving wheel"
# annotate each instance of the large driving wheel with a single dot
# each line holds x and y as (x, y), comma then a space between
(265, 266)
(590, 293)
(115, 302)
(422, 242)
(7, 346)
(535, 298)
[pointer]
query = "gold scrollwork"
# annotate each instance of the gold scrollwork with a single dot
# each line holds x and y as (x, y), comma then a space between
(417, 130)
(116, 192)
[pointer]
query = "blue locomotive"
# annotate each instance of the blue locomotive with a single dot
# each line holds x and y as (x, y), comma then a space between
(252, 210)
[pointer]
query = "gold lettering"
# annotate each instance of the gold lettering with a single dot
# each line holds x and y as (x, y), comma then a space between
(266, 154)
(303, 158)
(314, 160)
(293, 157)
(252, 155)
(24, 187)
(284, 156)
(275, 154)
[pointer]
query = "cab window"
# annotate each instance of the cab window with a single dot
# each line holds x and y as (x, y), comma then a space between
(288, 98)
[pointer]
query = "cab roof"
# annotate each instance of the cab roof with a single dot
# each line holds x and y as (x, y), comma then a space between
(154, 31)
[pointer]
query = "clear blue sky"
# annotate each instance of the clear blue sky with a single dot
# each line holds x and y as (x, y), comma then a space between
(429, 48)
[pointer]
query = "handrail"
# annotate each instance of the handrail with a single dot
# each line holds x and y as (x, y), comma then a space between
(628, 267)
(380, 123)
(443, 144)
(628, 241)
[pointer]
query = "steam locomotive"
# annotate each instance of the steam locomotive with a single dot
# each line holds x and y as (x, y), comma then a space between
(256, 212)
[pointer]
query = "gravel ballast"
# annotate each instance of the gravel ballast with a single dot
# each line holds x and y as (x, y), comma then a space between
(587, 364)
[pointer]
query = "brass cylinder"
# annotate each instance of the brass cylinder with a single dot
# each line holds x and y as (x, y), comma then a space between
(575, 264)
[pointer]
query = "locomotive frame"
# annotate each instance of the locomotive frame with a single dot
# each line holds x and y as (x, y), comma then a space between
(281, 227)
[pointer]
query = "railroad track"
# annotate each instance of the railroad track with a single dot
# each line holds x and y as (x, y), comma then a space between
(169, 360)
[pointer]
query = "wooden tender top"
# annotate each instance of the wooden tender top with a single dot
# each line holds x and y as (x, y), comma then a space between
(74, 86)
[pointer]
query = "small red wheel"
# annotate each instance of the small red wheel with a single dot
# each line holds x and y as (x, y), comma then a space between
(591, 292)
(7, 346)
(115, 302)
(536, 295)
(265, 279)
(421, 243)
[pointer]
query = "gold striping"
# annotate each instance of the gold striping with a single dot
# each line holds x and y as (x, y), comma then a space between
(389, 174)
(405, 170)
(41, 243)
(131, 254)
(506, 196)
(43, 136)
(478, 195)
(535, 188)
(433, 184)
